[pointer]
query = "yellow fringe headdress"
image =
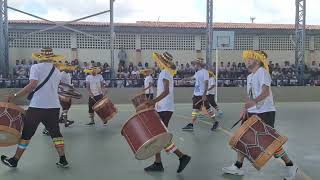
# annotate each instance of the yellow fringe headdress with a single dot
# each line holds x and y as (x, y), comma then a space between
(211, 74)
(257, 55)
(68, 68)
(46, 54)
(90, 70)
(165, 61)
(146, 71)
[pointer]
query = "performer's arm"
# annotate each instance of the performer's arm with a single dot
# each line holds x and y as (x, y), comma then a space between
(164, 93)
(204, 95)
(264, 94)
(89, 90)
(149, 86)
(26, 90)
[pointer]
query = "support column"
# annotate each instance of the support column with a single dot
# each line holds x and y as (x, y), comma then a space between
(4, 43)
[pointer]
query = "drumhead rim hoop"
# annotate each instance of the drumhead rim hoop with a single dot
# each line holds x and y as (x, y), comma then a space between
(137, 113)
(136, 95)
(239, 133)
(151, 140)
(99, 103)
(12, 106)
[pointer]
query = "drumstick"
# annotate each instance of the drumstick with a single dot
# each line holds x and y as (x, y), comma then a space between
(198, 102)
(236, 123)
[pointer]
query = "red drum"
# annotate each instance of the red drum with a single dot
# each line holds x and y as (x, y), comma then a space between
(105, 109)
(257, 141)
(139, 100)
(11, 123)
(146, 134)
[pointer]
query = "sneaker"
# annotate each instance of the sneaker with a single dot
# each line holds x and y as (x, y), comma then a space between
(291, 172)
(64, 164)
(68, 123)
(215, 126)
(61, 120)
(10, 162)
(234, 170)
(189, 127)
(90, 123)
(184, 161)
(220, 114)
(45, 132)
(155, 167)
(105, 123)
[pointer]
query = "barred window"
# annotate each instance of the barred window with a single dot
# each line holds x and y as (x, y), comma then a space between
(102, 41)
(126, 41)
(317, 42)
(203, 42)
(243, 42)
(276, 43)
(39, 40)
(167, 42)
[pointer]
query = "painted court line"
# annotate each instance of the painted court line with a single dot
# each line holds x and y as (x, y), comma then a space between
(302, 173)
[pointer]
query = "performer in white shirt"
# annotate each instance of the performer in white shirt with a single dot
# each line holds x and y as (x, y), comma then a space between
(44, 106)
(199, 98)
(164, 104)
(96, 90)
(148, 83)
(212, 92)
(260, 102)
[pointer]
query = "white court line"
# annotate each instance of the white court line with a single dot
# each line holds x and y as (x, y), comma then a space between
(303, 174)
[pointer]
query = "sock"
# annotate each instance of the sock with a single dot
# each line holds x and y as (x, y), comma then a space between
(289, 163)
(238, 164)
(158, 163)
(13, 160)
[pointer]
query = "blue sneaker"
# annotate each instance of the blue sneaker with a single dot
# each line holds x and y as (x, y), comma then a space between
(220, 114)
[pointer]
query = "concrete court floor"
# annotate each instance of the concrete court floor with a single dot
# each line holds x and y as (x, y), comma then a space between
(100, 152)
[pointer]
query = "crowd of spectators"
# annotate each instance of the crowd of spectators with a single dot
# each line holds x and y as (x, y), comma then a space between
(127, 74)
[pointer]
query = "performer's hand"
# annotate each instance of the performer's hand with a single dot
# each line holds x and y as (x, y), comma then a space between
(204, 98)
(249, 104)
(243, 113)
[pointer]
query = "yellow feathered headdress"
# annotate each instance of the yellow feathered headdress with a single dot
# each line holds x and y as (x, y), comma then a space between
(165, 61)
(257, 55)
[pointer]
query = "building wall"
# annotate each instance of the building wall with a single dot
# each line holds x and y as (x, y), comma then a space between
(139, 46)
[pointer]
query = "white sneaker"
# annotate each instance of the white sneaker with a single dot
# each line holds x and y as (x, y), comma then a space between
(291, 172)
(234, 170)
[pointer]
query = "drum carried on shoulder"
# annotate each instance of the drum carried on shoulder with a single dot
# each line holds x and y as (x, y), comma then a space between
(105, 109)
(257, 141)
(146, 134)
(11, 123)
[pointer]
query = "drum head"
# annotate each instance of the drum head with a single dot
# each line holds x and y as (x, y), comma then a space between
(8, 138)
(153, 146)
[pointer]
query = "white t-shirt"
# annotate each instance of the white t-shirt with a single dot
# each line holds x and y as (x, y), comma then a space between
(65, 78)
(212, 82)
(47, 96)
(95, 83)
(147, 81)
(167, 103)
(200, 76)
(254, 89)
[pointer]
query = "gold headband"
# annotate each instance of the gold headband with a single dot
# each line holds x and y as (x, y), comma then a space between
(256, 55)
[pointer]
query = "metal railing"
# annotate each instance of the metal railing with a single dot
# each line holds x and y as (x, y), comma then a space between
(178, 82)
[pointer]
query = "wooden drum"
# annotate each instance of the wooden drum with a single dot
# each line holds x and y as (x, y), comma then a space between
(257, 141)
(139, 100)
(146, 134)
(11, 123)
(105, 109)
